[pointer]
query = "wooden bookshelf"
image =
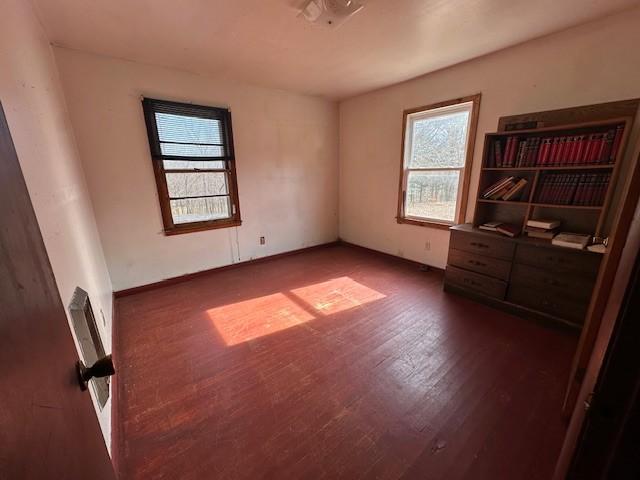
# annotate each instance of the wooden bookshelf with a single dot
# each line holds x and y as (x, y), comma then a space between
(531, 276)
(587, 219)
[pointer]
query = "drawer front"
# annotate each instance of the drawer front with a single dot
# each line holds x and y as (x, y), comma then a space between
(478, 263)
(476, 282)
(554, 304)
(482, 244)
(559, 260)
(578, 287)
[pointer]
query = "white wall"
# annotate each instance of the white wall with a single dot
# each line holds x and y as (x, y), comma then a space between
(33, 102)
(287, 165)
(593, 63)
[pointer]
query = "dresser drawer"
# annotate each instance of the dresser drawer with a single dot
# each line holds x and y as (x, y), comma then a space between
(578, 287)
(559, 260)
(482, 244)
(479, 263)
(554, 304)
(476, 282)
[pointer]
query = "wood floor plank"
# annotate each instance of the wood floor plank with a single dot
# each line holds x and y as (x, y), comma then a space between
(334, 363)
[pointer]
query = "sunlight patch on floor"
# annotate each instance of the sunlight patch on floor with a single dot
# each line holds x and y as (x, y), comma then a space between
(249, 319)
(243, 321)
(336, 295)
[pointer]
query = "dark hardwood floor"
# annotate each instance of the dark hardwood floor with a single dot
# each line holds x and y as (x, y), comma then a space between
(334, 363)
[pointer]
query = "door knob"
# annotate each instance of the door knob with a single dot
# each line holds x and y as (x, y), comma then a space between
(102, 368)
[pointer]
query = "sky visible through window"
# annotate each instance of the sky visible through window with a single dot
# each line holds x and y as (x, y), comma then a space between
(191, 192)
(437, 142)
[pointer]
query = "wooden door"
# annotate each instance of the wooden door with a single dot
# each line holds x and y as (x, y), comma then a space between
(48, 428)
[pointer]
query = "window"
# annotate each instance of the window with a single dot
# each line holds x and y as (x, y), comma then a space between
(436, 162)
(193, 160)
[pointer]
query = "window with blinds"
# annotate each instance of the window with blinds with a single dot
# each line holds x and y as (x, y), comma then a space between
(436, 161)
(194, 164)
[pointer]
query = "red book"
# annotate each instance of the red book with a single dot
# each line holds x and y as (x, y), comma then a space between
(572, 191)
(578, 156)
(564, 188)
(590, 189)
(598, 140)
(560, 154)
(616, 143)
(577, 199)
(569, 148)
(561, 181)
(543, 154)
(553, 154)
(508, 151)
(608, 145)
(575, 142)
(553, 186)
(497, 154)
(544, 187)
(508, 229)
(602, 145)
(588, 149)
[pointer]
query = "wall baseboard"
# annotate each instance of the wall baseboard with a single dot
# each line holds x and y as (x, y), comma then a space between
(183, 278)
(389, 255)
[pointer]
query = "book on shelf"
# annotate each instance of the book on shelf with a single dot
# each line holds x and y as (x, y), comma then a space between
(508, 229)
(594, 148)
(543, 224)
(490, 226)
(577, 241)
(504, 228)
(515, 191)
(509, 188)
(546, 234)
(583, 189)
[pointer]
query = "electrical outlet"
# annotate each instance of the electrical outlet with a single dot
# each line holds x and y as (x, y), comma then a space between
(427, 245)
(262, 242)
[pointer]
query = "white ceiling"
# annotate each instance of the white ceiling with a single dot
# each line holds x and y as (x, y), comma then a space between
(264, 42)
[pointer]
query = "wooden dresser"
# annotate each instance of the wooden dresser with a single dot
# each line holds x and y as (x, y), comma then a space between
(523, 275)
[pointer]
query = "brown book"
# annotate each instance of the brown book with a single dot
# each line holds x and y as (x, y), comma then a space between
(496, 186)
(516, 190)
(541, 233)
(509, 230)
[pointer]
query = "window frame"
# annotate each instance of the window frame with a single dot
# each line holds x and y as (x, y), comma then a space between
(151, 106)
(465, 171)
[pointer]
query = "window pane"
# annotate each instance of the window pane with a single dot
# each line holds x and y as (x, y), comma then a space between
(432, 194)
(200, 209)
(192, 165)
(180, 128)
(196, 184)
(182, 150)
(439, 141)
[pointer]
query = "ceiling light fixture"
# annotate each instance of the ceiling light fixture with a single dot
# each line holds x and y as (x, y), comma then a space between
(330, 13)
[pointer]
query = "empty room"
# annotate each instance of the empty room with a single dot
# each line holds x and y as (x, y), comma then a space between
(319, 239)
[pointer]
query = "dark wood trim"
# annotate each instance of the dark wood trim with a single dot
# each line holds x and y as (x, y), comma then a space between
(587, 113)
(425, 223)
(389, 255)
(602, 292)
(183, 278)
(149, 107)
(202, 226)
(466, 171)
(603, 342)
(116, 387)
